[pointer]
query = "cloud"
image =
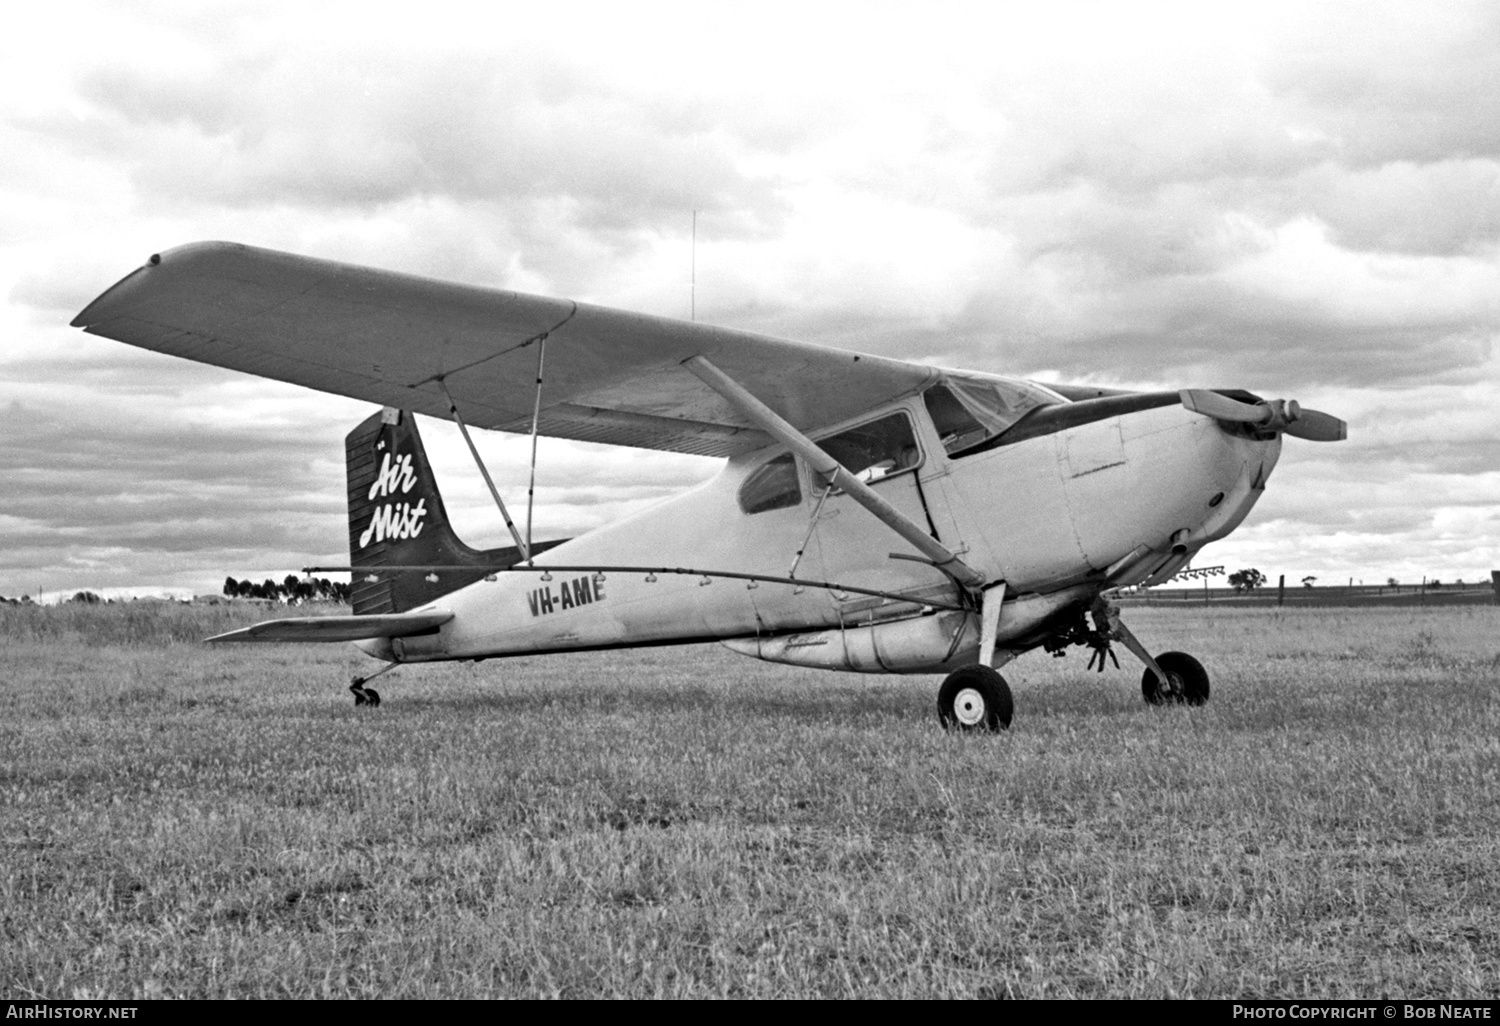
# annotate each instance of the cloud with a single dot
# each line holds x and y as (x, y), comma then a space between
(1298, 200)
(200, 488)
(1444, 208)
(378, 128)
(1404, 84)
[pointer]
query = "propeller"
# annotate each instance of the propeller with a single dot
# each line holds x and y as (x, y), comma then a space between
(1283, 415)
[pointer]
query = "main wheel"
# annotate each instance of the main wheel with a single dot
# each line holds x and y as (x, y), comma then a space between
(975, 698)
(1187, 681)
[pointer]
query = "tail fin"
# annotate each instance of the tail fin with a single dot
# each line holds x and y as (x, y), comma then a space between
(397, 518)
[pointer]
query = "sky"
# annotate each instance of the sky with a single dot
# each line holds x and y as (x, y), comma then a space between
(1298, 199)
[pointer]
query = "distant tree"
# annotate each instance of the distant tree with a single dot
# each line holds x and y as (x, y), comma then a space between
(1246, 580)
(1391, 582)
(1307, 582)
(1434, 583)
(231, 587)
(86, 596)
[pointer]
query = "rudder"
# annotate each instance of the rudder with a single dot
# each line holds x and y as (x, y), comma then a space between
(397, 518)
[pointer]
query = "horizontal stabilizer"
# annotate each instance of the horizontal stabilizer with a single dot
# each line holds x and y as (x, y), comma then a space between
(340, 628)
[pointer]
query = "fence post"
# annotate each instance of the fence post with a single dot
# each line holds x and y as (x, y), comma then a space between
(1495, 580)
(1281, 591)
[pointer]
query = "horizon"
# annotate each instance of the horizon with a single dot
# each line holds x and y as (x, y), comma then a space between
(1484, 580)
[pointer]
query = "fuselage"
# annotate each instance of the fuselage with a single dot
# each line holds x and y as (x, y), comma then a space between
(1058, 517)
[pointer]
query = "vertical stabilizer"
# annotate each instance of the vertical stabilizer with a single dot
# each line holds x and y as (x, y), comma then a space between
(397, 518)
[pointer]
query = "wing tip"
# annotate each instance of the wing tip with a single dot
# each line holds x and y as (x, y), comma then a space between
(226, 636)
(108, 303)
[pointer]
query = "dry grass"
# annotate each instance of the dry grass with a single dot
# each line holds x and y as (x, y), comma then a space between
(143, 623)
(176, 820)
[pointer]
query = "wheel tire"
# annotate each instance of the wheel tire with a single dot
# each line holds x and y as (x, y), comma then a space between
(1187, 679)
(975, 698)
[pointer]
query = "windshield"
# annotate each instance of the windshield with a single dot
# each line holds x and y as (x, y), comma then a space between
(968, 412)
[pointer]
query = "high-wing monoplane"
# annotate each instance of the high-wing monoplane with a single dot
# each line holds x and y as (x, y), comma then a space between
(872, 515)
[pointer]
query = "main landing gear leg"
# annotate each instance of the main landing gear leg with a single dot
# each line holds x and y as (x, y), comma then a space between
(1172, 678)
(369, 696)
(976, 698)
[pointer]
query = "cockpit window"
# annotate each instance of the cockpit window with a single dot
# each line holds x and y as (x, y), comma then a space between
(875, 450)
(968, 412)
(956, 426)
(773, 485)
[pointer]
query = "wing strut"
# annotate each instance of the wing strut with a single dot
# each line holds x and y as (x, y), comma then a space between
(989, 623)
(536, 418)
(524, 546)
(834, 472)
(812, 525)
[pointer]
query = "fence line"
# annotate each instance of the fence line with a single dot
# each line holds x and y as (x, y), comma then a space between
(1334, 595)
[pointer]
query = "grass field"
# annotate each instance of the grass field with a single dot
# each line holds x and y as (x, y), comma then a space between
(183, 821)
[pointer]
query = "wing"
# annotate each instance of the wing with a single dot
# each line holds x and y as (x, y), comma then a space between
(339, 628)
(610, 376)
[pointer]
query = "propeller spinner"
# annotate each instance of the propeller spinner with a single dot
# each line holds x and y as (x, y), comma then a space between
(1283, 415)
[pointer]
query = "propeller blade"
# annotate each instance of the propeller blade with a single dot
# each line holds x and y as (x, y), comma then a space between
(1221, 407)
(1317, 426)
(1276, 415)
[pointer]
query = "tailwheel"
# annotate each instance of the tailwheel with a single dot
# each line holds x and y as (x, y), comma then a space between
(362, 694)
(369, 696)
(1187, 681)
(975, 698)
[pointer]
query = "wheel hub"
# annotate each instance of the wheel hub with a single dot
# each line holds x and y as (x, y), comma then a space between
(968, 707)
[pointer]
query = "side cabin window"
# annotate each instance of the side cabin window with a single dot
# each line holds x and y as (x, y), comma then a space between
(772, 485)
(875, 450)
(968, 412)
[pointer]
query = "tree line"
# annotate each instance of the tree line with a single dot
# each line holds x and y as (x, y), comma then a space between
(1248, 579)
(291, 589)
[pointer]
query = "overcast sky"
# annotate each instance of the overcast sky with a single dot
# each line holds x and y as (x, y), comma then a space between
(1300, 199)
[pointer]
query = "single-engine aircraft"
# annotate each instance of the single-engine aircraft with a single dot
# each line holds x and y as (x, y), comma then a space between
(873, 515)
